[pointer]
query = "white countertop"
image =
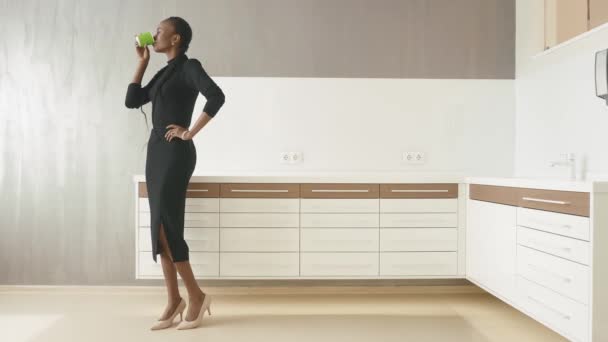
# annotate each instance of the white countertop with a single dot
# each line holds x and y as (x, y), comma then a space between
(542, 183)
(323, 177)
(393, 177)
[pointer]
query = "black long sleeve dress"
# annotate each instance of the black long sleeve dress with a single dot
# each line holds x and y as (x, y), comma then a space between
(169, 165)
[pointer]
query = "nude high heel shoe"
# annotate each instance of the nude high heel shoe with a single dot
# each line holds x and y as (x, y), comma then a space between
(169, 321)
(183, 325)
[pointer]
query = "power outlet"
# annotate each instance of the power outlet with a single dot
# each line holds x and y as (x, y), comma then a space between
(408, 157)
(414, 157)
(296, 157)
(291, 157)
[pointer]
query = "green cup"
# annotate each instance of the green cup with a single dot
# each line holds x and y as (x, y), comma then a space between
(144, 39)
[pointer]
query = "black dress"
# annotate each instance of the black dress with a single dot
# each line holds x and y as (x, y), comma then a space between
(169, 165)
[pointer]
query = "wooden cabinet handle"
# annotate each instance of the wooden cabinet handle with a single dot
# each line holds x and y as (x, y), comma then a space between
(259, 190)
(421, 190)
(344, 190)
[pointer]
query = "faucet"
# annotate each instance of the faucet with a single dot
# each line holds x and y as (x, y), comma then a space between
(568, 161)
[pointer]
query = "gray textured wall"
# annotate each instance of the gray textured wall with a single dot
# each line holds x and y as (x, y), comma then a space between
(358, 38)
(69, 147)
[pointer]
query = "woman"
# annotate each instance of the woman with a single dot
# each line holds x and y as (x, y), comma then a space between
(171, 158)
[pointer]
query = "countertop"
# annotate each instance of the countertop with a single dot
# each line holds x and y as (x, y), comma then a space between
(324, 177)
(394, 177)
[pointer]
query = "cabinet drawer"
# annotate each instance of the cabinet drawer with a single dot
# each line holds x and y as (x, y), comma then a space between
(193, 205)
(436, 220)
(418, 239)
(340, 190)
(565, 277)
(441, 205)
(339, 240)
(339, 264)
(202, 239)
(259, 190)
(259, 240)
(418, 264)
(562, 224)
(144, 240)
(194, 190)
(560, 313)
(259, 264)
(261, 220)
(191, 220)
(566, 202)
(568, 248)
(494, 194)
(204, 264)
(260, 205)
(198, 239)
(348, 205)
(419, 190)
(339, 220)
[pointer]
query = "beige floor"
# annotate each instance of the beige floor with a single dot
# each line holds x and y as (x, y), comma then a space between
(379, 315)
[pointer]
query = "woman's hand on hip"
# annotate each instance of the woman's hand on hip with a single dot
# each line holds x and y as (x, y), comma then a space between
(176, 131)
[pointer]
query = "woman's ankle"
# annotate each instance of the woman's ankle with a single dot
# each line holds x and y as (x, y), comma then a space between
(175, 300)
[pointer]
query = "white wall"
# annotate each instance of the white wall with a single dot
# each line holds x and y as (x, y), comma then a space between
(557, 110)
(361, 125)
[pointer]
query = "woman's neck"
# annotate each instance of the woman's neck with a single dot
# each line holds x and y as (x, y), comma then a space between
(172, 54)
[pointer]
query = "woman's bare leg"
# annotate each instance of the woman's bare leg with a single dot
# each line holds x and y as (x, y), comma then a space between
(170, 273)
(195, 294)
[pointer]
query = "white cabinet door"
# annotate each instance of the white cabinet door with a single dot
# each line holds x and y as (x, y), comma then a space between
(339, 240)
(418, 239)
(338, 264)
(563, 247)
(562, 276)
(418, 264)
(260, 205)
(259, 220)
(417, 205)
(562, 224)
(339, 205)
(559, 313)
(419, 220)
(491, 246)
(331, 220)
(259, 264)
(259, 240)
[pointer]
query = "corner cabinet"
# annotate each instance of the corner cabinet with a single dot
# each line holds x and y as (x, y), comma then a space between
(544, 252)
(491, 240)
(315, 231)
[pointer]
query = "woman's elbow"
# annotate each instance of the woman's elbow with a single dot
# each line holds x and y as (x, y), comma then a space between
(215, 103)
(135, 96)
(221, 98)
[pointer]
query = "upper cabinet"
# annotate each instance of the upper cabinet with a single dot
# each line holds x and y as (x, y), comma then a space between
(566, 19)
(598, 12)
